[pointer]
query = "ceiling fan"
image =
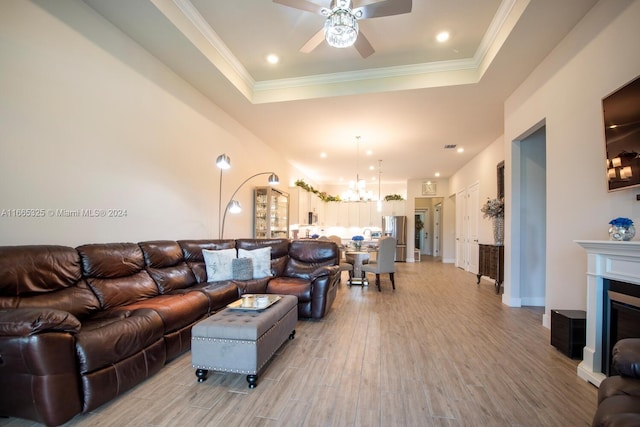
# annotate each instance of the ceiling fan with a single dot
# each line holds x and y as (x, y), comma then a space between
(341, 26)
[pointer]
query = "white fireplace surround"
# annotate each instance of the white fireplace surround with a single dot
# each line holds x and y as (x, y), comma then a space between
(605, 260)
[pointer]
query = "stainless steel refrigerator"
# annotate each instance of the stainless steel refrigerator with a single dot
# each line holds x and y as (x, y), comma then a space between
(396, 226)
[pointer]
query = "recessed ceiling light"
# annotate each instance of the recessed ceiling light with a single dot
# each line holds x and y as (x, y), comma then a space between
(371, 168)
(460, 150)
(437, 174)
(369, 152)
(273, 58)
(323, 155)
(442, 36)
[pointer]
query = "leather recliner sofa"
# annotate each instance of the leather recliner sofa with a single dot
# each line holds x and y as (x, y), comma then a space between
(80, 326)
(619, 395)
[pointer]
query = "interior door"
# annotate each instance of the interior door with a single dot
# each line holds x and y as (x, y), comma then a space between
(461, 244)
(473, 219)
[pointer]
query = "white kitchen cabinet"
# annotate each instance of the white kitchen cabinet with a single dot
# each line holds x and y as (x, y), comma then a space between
(393, 207)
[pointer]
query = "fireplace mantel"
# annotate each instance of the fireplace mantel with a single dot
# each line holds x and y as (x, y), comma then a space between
(605, 260)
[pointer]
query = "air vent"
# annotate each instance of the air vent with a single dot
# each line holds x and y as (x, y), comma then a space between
(450, 146)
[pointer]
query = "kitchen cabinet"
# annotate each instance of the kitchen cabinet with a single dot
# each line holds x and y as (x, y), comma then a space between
(330, 217)
(364, 214)
(271, 213)
(393, 208)
(300, 201)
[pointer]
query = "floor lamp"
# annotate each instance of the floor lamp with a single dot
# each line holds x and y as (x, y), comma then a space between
(233, 206)
(223, 162)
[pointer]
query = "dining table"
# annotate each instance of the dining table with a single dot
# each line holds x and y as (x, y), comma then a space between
(358, 257)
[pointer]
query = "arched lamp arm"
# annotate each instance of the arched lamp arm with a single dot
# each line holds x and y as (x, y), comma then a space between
(226, 209)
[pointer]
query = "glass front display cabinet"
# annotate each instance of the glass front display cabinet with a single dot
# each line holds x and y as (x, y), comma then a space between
(271, 217)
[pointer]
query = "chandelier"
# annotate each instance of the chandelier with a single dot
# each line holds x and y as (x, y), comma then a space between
(357, 189)
(341, 26)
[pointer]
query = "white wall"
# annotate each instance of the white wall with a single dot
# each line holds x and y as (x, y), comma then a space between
(90, 120)
(483, 169)
(565, 92)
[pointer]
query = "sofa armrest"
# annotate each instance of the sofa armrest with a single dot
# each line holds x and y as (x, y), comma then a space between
(19, 322)
(626, 357)
(328, 270)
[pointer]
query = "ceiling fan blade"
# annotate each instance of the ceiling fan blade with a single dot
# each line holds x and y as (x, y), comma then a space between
(313, 42)
(363, 46)
(384, 8)
(302, 5)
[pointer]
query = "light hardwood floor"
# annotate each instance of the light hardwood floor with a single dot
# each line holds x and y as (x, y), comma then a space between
(438, 351)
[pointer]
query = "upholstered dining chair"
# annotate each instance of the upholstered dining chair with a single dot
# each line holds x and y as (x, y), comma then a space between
(344, 266)
(385, 261)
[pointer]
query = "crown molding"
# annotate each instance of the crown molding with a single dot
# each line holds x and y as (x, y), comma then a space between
(415, 76)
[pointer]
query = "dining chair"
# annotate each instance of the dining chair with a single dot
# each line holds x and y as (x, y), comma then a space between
(385, 261)
(344, 266)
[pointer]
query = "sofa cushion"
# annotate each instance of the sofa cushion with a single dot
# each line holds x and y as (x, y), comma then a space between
(166, 266)
(291, 286)
(218, 264)
(305, 258)
(192, 252)
(111, 260)
(279, 251)
(31, 321)
(261, 259)
(37, 269)
(115, 272)
(114, 335)
(44, 276)
(176, 311)
(123, 291)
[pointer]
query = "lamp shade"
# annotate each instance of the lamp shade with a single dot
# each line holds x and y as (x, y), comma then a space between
(234, 206)
(273, 179)
(223, 161)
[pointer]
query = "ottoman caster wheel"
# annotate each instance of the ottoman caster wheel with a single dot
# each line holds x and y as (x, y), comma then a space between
(252, 380)
(201, 374)
(292, 335)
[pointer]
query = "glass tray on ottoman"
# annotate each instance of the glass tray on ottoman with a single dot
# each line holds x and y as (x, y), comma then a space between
(237, 305)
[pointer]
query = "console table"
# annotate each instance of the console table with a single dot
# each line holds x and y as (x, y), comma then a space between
(491, 264)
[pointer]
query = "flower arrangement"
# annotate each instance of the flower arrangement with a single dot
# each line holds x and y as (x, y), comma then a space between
(493, 208)
(621, 222)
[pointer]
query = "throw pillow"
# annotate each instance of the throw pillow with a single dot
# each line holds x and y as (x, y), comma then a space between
(261, 261)
(242, 269)
(218, 263)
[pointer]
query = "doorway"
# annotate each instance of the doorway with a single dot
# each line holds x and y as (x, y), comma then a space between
(430, 211)
(529, 181)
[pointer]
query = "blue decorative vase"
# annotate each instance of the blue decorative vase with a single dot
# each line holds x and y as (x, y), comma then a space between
(622, 233)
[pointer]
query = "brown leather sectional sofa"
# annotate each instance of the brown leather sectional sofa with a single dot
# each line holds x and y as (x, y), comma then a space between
(80, 326)
(619, 395)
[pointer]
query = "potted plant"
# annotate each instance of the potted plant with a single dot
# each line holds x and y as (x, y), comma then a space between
(494, 209)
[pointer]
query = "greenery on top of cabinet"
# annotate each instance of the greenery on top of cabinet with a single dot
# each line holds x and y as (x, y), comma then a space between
(321, 194)
(389, 197)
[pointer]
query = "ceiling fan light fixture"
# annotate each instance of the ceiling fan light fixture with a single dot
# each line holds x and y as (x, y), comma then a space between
(341, 28)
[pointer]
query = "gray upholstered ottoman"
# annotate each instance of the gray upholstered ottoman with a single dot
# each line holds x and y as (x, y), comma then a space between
(242, 341)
